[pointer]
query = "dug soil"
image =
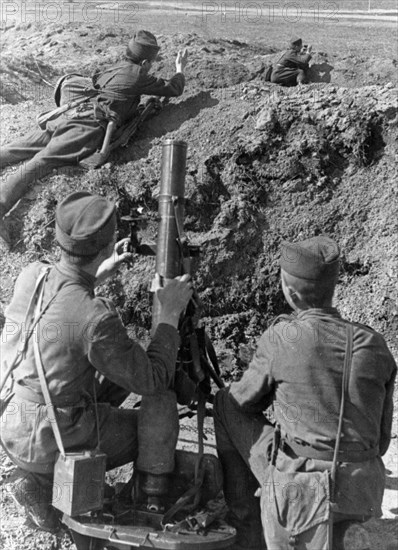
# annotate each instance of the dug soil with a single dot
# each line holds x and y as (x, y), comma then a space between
(264, 164)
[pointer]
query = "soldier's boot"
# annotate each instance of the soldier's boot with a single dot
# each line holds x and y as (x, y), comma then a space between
(244, 514)
(158, 426)
(240, 485)
(349, 535)
(18, 183)
(15, 187)
(33, 492)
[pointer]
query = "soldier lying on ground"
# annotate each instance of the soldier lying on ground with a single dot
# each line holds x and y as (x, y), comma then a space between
(292, 67)
(69, 139)
(298, 368)
(81, 336)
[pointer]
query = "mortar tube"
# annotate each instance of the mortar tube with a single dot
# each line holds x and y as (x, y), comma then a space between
(158, 422)
(169, 261)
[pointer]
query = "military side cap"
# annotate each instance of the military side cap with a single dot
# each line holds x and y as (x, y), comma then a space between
(295, 41)
(84, 223)
(143, 46)
(315, 259)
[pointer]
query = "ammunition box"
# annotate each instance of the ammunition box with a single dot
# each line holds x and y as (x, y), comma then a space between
(79, 481)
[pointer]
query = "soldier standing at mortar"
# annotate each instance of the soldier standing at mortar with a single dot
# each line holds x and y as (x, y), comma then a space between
(331, 384)
(74, 136)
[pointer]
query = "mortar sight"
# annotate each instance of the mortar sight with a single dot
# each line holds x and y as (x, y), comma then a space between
(137, 221)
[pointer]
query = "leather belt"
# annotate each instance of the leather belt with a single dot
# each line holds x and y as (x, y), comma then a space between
(307, 451)
(66, 400)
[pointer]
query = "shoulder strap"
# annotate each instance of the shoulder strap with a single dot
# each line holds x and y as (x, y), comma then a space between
(43, 382)
(344, 395)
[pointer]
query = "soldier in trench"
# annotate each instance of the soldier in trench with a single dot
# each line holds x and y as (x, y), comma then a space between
(298, 369)
(291, 69)
(74, 136)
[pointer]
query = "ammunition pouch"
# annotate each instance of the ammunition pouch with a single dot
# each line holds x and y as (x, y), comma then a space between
(297, 507)
(72, 96)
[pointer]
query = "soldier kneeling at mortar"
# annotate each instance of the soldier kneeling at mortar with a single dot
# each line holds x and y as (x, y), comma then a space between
(80, 336)
(293, 66)
(76, 135)
(330, 382)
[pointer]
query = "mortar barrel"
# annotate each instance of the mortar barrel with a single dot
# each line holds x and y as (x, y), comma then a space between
(169, 261)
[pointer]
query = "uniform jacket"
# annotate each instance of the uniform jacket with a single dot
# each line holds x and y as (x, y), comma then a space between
(122, 86)
(298, 369)
(293, 60)
(80, 335)
(286, 70)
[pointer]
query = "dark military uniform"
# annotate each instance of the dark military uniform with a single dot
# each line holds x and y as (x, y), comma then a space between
(289, 67)
(80, 335)
(298, 368)
(75, 136)
(122, 86)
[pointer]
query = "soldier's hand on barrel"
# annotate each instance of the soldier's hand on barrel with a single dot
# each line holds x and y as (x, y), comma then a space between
(109, 266)
(173, 297)
(181, 60)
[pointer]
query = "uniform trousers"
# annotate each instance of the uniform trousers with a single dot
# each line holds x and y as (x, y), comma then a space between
(243, 441)
(147, 437)
(244, 444)
(286, 76)
(64, 142)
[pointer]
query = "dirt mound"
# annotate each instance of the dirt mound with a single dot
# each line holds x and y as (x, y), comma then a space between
(265, 164)
(285, 166)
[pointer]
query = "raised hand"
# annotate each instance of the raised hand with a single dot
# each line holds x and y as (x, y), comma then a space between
(181, 60)
(110, 265)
